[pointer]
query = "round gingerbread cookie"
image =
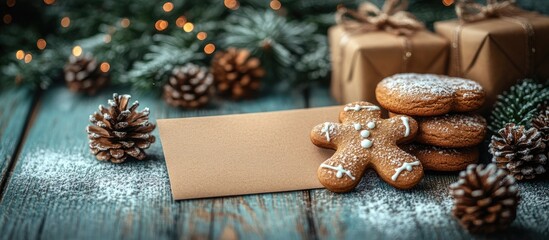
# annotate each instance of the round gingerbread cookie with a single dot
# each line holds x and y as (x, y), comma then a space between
(428, 94)
(443, 159)
(451, 130)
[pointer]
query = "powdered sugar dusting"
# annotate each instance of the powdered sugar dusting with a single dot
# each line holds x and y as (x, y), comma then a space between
(80, 176)
(379, 211)
(434, 85)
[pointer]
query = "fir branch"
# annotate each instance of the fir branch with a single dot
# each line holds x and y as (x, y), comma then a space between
(278, 43)
(518, 105)
(167, 52)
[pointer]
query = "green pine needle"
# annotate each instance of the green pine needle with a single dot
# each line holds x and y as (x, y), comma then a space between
(279, 43)
(518, 105)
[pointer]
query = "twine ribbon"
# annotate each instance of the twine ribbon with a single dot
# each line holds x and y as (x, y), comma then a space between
(468, 11)
(391, 18)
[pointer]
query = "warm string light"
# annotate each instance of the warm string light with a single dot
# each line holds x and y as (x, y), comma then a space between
(209, 48)
(49, 2)
(161, 25)
(77, 51)
(20, 54)
(65, 22)
(188, 27)
(7, 19)
(28, 58)
(167, 7)
(447, 3)
(201, 36)
(105, 67)
(125, 22)
(10, 3)
(275, 4)
(231, 4)
(41, 44)
(180, 21)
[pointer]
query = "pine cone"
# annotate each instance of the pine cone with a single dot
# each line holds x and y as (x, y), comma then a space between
(83, 74)
(541, 123)
(118, 132)
(236, 73)
(189, 86)
(519, 151)
(485, 198)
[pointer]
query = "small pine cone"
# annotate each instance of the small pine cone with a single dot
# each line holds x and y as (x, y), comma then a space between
(521, 152)
(541, 123)
(189, 86)
(485, 198)
(237, 74)
(84, 74)
(119, 132)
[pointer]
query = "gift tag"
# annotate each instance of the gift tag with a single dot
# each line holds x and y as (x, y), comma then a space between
(243, 153)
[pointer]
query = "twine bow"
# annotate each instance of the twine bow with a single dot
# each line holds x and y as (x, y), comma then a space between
(470, 11)
(392, 18)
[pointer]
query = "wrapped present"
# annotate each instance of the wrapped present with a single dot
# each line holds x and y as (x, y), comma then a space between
(370, 44)
(496, 45)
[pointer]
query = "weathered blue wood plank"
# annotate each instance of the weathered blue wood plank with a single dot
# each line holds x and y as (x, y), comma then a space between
(376, 210)
(58, 190)
(15, 107)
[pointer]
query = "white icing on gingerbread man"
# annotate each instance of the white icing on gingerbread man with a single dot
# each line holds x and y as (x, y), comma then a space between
(375, 147)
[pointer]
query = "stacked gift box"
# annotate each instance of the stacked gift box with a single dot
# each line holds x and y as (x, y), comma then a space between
(495, 44)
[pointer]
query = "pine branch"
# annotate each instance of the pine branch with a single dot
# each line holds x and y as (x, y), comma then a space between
(167, 52)
(279, 43)
(518, 105)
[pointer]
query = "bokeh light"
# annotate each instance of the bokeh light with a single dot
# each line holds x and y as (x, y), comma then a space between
(77, 51)
(125, 22)
(65, 22)
(447, 2)
(49, 2)
(209, 48)
(105, 67)
(201, 36)
(167, 7)
(188, 27)
(20, 54)
(231, 4)
(180, 21)
(10, 3)
(7, 19)
(41, 43)
(275, 4)
(28, 58)
(161, 25)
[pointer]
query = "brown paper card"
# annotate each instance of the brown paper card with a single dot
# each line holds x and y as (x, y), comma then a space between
(494, 53)
(244, 153)
(365, 59)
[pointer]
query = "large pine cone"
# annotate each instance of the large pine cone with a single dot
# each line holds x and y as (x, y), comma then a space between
(485, 198)
(519, 151)
(83, 74)
(541, 123)
(119, 132)
(189, 86)
(237, 74)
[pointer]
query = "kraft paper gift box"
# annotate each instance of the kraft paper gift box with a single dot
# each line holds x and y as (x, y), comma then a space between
(498, 51)
(376, 44)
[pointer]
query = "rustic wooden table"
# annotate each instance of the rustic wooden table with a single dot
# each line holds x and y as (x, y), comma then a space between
(52, 188)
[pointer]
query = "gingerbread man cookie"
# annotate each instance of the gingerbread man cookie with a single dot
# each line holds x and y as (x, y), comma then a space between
(364, 140)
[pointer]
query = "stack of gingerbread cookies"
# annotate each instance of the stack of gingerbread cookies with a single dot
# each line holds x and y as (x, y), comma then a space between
(449, 132)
